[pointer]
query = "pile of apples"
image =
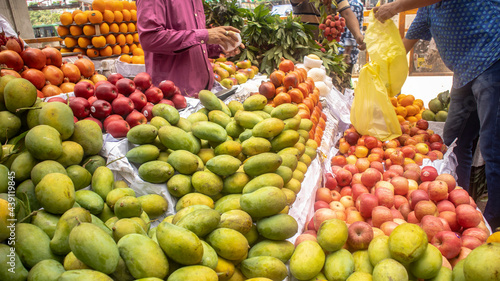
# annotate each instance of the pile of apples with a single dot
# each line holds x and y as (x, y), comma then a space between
(119, 103)
(333, 27)
(229, 73)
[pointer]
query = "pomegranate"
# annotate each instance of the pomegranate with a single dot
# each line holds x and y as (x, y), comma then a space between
(35, 76)
(304, 88)
(277, 78)
(34, 58)
(53, 74)
(67, 87)
(286, 65)
(53, 56)
(290, 81)
(11, 59)
(302, 74)
(86, 66)
(51, 90)
(71, 71)
(13, 45)
(267, 89)
(5, 71)
(98, 77)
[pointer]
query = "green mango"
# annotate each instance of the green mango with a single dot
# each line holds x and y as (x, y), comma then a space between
(94, 247)
(232, 148)
(32, 244)
(156, 171)
(142, 134)
(10, 125)
(210, 257)
(106, 213)
(123, 227)
(118, 193)
(210, 131)
(46, 270)
(153, 204)
(59, 116)
(234, 106)
(194, 199)
(11, 267)
(209, 100)
(183, 161)
(83, 275)
(45, 221)
(179, 244)
(201, 222)
(281, 250)
(263, 202)
(235, 183)
(262, 163)
(219, 117)
(184, 124)
(292, 123)
(307, 260)
(25, 191)
(143, 153)
(158, 122)
(247, 119)
(194, 273)
(233, 129)
(223, 165)
(236, 219)
(80, 176)
(72, 154)
(70, 219)
(285, 111)
(19, 93)
(98, 222)
(246, 134)
(127, 207)
(4, 178)
(22, 166)
(255, 145)
(143, 257)
(268, 128)
(264, 267)
(207, 183)
(197, 116)
(177, 139)
(93, 162)
(339, 265)
(44, 168)
(228, 243)
(102, 181)
(287, 138)
(90, 200)
(228, 203)
(255, 102)
(277, 227)
(56, 193)
(179, 185)
(89, 135)
(168, 112)
(122, 272)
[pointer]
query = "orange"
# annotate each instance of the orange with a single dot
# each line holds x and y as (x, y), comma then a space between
(120, 38)
(495, 237)
(126, 58)
(129, 39)
(70, 42)
(89, 30)
(126, 5)
(418, 116)
(133, 47)
(78, 50)
(394, 101)
(66, 18)
(419, 103)
(64, 50)
(114, 28)
(88, 12)
(136, 37)
(111, 39)
(138, 52)
(98, 5)
(108, 4)
(98, 41)
(104, 28)
(117, 5)
(402, 111)
(76, 12)
(108, 16)
(126, 14)
(92, 53)
(125, 49)
(412, 110)
(282, 98)
(62, 30)
(412, 119)
(401, 119)
(118, 16)
(139, 45)
(117, 50)
(408, 100)
(133, 15)
(123, 27)
(138, 59)
(131, 27)
(401, 96)
(81, 18)
(83, 42)
(95, 17)
(75, 30)
(106, 52)
(132, 6)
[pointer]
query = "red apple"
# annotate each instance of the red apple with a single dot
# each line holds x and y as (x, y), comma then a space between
(136, 118)
(362, 164)
(400, 184)
(411, 175)
(397, 168)
(388, 226)
(408, 151)
(358, 189)
(459, 196)
(370, 142)
(168, 88)
(422, 124)
(110, 119)
(445, 205)
(320, 204)
(330, 182)
(467, 216)
(114, 77)
(428, 173)
(83, 89)
(347, 201)
(335, 195)
(451, 219)
(389, 174)
(338, 160)
(424, 208)
(471, 242)
(322, 215)
(476, 232)
(100, 109)
(346, 191)
(424, 186)
(179, 101)
(122, 106)
(324, 194)
(381, 214)
(385, 197)
(377, 165)
(353, 216)
(343, 177)
(101, 82)
(143, 81)
(431, 225)
(435, 138)
(154, 94)
(169, 102)
(399, 200)
(360, 234)
(118, 128)
(396, 214)
(337, 206)
(139, 99)
(417, 196)
(411, 218)
(304, 237)
(436, 146)
(351, 168)
(438, 190)
(367, 203)
(92, 99)
(57, 99)
(147, 111)
(448, 243)
(370, 177)
(449, 179)
(95, 120)
(125, 86)
(81, 108)
(107, 92)
(352, 138)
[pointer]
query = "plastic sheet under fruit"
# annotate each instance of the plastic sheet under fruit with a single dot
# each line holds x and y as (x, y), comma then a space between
(127, 69)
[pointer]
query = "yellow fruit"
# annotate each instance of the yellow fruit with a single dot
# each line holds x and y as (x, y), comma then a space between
(133, 15)
(117, 5)
(126, 58)
(133, 47)
(95, 17)
(118, 16)
(106, 52)
(62, 30)
(65, 50)
(126, 5)
(136, 37)
(408, 100)
(138, 52)
(89, 30)
(83, 42)
(81, 18)
(132, 6)
(117, 50)
(138, 59)
(79, 50)
(92, 53)
(75, 30)
(126, 14)
(108, 4)
(98, 41)
(111, 39)
(73, 14)
(411, 119)
(400, 110)
(66, 18)
(114, 28)
(412, 110)
(131, 27)
(419, 103)
(70, 42)
(104, 28)
(125, 49)
(123, 27)
(120, 38)
(108, 16)
(98, 5)
(129, 39)
(495, 237)
(400, 97)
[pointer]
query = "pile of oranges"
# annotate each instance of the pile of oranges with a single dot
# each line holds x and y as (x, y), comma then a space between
(106, 30)
(408, 108)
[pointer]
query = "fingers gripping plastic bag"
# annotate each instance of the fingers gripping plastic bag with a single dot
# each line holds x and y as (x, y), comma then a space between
(372, 112)
(385, 47)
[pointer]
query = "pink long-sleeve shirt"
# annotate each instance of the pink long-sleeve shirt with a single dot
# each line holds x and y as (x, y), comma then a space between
(174, 38)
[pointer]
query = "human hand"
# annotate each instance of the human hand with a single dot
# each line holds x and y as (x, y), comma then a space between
(385, 12)
(361, 43)
(235, 51)
(223, 35)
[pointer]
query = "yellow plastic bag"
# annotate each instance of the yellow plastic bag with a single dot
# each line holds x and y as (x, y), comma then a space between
(372, 112)
(385, 47)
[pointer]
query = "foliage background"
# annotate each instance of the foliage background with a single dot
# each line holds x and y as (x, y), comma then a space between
(44, 17)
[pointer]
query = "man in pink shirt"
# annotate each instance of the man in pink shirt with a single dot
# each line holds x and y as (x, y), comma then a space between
(177, 44)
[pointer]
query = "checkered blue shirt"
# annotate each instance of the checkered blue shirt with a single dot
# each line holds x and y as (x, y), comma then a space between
(467, 35)
(347, 39)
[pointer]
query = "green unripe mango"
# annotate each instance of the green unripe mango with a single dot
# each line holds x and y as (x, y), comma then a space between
(187, 210)
(223, 165)
(207, 183)
(11, 267)
(72, 154)
(83, 275)
(123, 227)
(278, 227)
(32, 244)
(255, 145)
(90, 200)
(197, 116)
(22, 166)
(179, 185)
(210, 257)
(56, 193)
(44, 168)
(46, 270)
(264, 267)
(235, 183)
(44, 142)
(228, 243)
(219, 117)
(168, 112)
(282, 250)
(179, 244)
(233, 129)
(10, 125)
(142, 134)
(234, 106)
(143, 153)
(156, 171)
(209, 100)
(307, 260)
(201, 222)
(255, 102)
(89, 135)
(59, 116)
(339, 265)
(227, 203)
(263, 202)
(193, 273)
(285, 111)
(102, 181)
(177, 139)
(46, 221)
(210, 131)
(236, 219)
(183, 161)
(158, 122)
(269, 179)
(262, 163)
(118, 193)
(194, 199)
(19, 93)
(127, 207)
(268, 128)
(153, 204)
(247, 119)
(69, 220)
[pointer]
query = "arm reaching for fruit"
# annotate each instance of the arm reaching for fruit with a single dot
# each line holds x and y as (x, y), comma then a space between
(387, 11)
(353, 26)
